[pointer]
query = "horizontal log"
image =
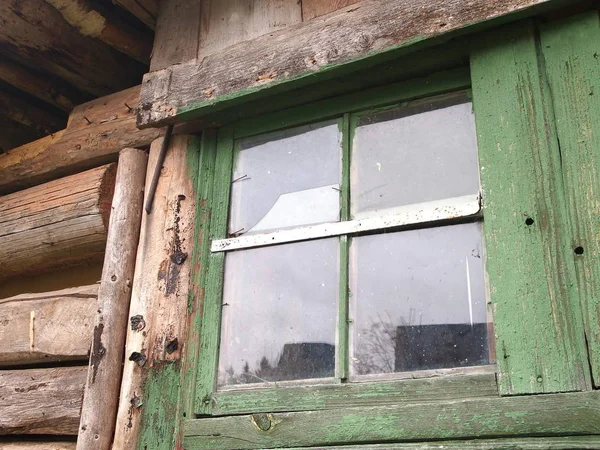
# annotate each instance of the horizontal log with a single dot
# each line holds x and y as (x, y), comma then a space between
(37, 445)
(294, 55)
(35, 34)
(57, 224)
(27, 114)
(95, 133)
(53, 326)
(41, 401)
(534, 415)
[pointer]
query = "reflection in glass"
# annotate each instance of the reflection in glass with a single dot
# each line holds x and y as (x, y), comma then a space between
(418, 300)
(287, 178)
(420, 153)
(279, 313)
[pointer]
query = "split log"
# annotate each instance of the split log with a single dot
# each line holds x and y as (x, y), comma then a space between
(36, 35)
(56, 224)
(296, 54)
(29, 115)
(92, 20)
(38, 445)
(95, 133)
(53, 326)
(44, 86)
(41, 401)
(101, 399)
(145, 10)
(159, 302)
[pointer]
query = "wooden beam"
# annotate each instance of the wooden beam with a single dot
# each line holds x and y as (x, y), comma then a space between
(37, 445)
(95, 22)
(41, 401)
(316, 8)
(54, 326)
(159, 305)
(145, 10)
(57, 224)
(36, 35)
(294, 55)
(44, 86)
(28, 114)
(99, 411)
(14, 134)
(95, 133)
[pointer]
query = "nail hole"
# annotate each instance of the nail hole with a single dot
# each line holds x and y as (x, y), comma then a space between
(529, 221)
(113, 278)
(579, 250)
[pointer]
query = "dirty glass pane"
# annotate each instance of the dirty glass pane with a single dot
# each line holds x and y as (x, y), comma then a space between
(419, 153)
(279, 313)
(418, 300)
(287, 178)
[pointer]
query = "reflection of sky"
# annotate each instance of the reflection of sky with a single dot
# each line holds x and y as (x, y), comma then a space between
(278, 295)
(289, 162)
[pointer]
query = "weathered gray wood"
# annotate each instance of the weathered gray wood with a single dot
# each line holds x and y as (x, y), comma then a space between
(95, 133)
(104, 375)
(297, 53)
(54, 326)
(37, 445)
(552, 415)
(35, 34)
(316, 8)
(41, 401)
(56, 224)
(28, 114)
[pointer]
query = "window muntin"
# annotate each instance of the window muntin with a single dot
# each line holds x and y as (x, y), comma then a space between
(396, 217)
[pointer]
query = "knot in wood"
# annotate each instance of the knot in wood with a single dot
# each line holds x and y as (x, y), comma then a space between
(261, 421)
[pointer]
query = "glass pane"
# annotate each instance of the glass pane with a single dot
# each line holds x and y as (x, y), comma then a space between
(420, 153)
(418, 300)
(279, 313)
(286, 179)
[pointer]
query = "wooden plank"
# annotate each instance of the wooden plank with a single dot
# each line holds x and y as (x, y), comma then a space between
(176, 38)
(552, 415)
(326, 397)
(159, 302)
(36, 35)
(145, 10)
(57, 224)
(37, 445)
(95, 133)
(316, 8)
(539, 332)
(54, 326)
(228, 22)
(41, 401)
(293, 56)
(571, 48)
(25, 113)
(99, 410)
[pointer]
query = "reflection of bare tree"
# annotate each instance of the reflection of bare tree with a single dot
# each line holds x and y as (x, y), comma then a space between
(376, 345)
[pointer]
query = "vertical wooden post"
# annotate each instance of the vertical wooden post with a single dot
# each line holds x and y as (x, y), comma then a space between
(101, 396)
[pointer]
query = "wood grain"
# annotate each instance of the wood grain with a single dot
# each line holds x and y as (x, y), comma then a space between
(316, 8)
(294, 55)
(27, 114)
(110, 328)
(57, 224)
(41, 401)
(54, 326)
(37, 445)
(95, 134)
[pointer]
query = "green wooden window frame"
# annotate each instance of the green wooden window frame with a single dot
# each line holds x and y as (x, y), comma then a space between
(541, 317)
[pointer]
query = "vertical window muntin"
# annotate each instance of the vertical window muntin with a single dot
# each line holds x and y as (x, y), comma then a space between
(436, 213)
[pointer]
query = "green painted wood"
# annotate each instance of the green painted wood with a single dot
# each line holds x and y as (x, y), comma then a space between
(540, 415)
(326, 397)
(571, 51)
(437, 83)
(200, 259)
(539, 332)
(211, 310)
(555, 443)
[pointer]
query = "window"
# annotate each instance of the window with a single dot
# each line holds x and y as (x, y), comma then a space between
(353, 248)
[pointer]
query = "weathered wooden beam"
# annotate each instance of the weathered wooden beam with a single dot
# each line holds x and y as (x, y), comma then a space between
(35, 34)
(145, 10)
(20, 111)
(95, 133)
(95, 22)
(37, 445)
(57, 224)
(41, 401)
(99, 411)
(293, 56)
(316, 8)
(44, 86)
(53, 326)
(159, 302)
